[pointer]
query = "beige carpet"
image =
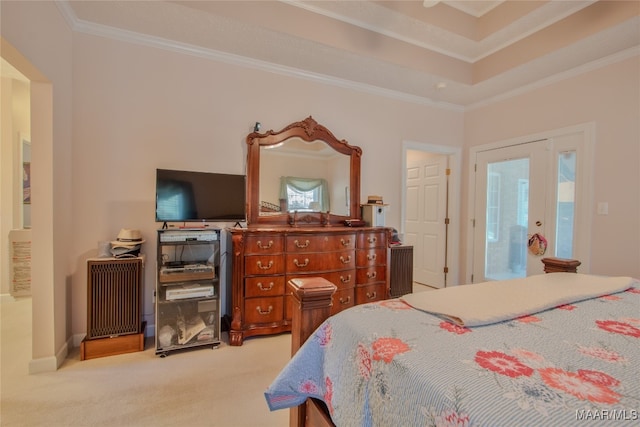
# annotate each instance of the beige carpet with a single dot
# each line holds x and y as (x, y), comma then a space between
(202, 387)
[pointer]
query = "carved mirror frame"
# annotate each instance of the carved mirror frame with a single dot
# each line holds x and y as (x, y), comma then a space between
(308, 130)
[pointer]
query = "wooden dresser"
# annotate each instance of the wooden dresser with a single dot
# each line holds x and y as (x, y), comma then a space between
(265, 259)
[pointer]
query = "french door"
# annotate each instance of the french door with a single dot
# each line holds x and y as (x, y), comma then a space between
(531, 201)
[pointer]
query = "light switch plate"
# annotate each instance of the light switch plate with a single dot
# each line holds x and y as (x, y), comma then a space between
(603, 208)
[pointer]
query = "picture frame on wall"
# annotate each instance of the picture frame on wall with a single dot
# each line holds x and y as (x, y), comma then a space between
(26, 183)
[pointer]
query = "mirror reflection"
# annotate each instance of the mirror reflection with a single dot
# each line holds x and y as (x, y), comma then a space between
(302, 176)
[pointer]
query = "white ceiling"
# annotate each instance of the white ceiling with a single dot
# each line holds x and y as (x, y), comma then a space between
(300, 38)
(475, 8)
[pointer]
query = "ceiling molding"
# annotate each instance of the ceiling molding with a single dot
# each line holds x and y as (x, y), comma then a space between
(276, 52)
(556, 78)
(533, 22)
(475, 8)
(105, 31)
(417, 33)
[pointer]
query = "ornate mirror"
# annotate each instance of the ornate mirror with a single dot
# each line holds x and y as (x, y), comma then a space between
(301, 175)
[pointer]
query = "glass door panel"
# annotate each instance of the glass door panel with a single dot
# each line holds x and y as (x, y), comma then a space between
(565, 204)
(506, 219)
(510, 206)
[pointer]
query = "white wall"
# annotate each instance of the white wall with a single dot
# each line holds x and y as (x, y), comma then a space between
(610, 98)
(138, 108)
(134, 109)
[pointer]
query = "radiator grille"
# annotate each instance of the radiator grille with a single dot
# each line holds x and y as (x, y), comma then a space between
(401, 275)
(114, 305)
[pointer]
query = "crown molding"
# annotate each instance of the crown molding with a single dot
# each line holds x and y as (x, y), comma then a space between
(86, 27)
(415, 32)
(475, 11)
(558, 77)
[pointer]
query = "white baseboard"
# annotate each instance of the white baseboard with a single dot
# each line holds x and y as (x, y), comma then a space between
(44, 364)
(7, 298)
(51, 363)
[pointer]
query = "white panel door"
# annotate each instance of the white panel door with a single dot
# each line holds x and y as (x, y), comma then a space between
(425, 229)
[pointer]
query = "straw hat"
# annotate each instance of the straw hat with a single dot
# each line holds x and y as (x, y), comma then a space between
(127, 238)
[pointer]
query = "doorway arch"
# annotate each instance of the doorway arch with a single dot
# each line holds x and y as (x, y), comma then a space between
(48, 326)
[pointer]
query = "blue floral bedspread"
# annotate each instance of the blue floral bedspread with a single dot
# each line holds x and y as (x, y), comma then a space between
(386, 364)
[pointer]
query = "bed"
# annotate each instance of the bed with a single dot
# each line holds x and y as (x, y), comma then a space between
(572, 359)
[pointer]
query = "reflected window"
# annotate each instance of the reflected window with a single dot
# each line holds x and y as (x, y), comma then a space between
(303, 200)
(305, 194)
(175, 201)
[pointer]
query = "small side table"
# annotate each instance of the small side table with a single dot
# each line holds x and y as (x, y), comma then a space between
(560, 265)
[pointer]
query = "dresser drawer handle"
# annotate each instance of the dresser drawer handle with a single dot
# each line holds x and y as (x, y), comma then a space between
(345, 279)
(345, 261)
(371, 295)
(371, 257)
(372, 275)
(372, 239)
(262, 288)
(298, 264)
(269, 310)
(303, 245)
(264, 267)
(345, 242)
(265, 247)
(345, 301)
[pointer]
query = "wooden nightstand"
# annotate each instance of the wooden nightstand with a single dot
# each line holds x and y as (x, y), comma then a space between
(559, 265)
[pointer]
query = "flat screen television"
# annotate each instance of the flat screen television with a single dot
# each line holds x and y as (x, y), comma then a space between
(183, 196)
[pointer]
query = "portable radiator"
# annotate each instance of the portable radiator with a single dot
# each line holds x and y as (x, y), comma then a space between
(114, 297)
(401, 271)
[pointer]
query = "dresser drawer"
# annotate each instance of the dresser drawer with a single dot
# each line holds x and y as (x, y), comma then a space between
(372, 239)
(319, 243)
(263, 286)
(264, 244)
(263, 310)
(342, 279)
(318, 262)
(263, 264)
(370, 293)
(369, 257)
(343, 299)
(369, 275)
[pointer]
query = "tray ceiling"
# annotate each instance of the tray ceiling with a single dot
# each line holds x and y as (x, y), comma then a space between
(456, 54)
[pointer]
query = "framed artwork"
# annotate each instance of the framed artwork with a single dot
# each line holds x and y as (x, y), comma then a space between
(26, 182)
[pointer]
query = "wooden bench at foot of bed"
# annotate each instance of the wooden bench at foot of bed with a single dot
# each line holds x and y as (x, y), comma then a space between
(312, 306)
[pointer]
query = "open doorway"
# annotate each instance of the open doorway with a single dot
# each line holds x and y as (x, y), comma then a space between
(15, 196)
(430, 211)
(48, 337)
